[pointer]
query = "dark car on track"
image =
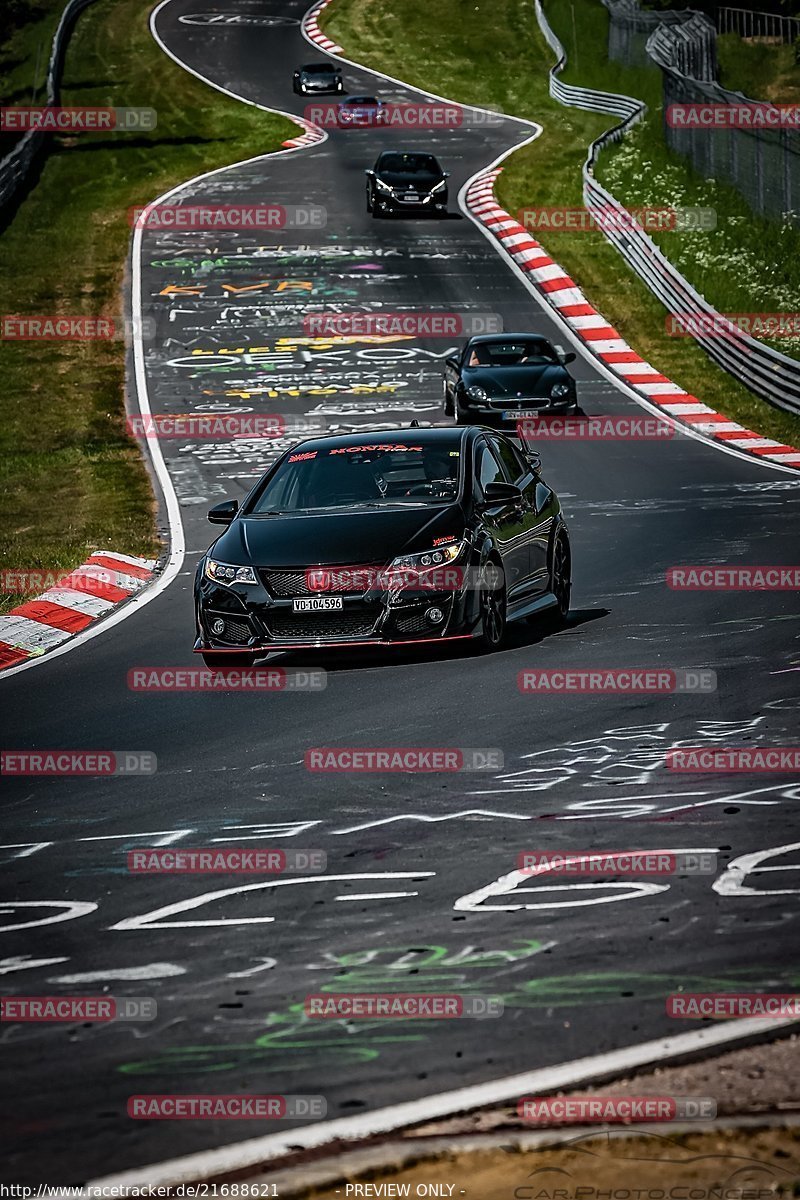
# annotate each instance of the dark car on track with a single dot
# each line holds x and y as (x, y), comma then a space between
(318, 79)
(406, 181)
(507, 376)
(362, 112)
(402, 536)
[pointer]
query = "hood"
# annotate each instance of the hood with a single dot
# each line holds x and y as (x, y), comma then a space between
(507, 381)
(345, 539)
(412, 181)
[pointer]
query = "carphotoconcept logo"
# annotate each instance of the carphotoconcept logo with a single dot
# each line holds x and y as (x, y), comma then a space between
(607, 218)
(401, 1006)
(225, 679)
(58, 119)
(616, 680)
(221, 1107)
(77, 762)
(735, 578)
(631, 863)
(724, 1005)
(595, 429)
(228, 216)
(402, 758)
(614, 1110)
(219, 860)
(407, 324)
(68, 1009)
(734, 759)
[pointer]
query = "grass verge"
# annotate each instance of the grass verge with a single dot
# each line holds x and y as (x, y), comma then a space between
(494, 55)
(73, 479)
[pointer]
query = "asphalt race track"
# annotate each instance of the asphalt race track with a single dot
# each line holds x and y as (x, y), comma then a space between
(406, 853)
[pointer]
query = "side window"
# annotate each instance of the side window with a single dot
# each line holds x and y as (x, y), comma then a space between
(515, 466)
(488, 468)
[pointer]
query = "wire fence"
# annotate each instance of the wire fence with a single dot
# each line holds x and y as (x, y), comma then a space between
(16, 165)
(772, 375)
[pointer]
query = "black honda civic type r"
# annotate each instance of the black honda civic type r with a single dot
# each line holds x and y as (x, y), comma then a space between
(402, 536)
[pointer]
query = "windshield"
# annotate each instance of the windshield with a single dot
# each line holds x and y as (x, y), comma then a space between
(360, 100)
(322, 69)
(374, 476)
(512, 353)
(409, 164)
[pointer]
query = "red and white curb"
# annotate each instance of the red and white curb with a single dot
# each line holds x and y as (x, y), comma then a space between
(603, 341)
(312, 134)
(311, 29)
(76, 600)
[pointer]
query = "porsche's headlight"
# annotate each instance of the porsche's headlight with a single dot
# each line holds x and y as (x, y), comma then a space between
(477, 394)
(381, 186)
(559, 390)
(227, 573)
(429, 560)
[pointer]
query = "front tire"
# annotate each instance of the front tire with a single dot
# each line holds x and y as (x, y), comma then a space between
(492, 606)
(561, 575)
(449, 410)
(224, 658)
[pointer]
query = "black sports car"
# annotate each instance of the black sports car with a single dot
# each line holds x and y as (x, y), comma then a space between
(507, 376)
(403, 181)
(407, 535)
(317, 79)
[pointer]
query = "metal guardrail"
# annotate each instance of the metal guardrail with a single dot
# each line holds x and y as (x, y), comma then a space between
(749, 24)
(772, 375)
(18, 162)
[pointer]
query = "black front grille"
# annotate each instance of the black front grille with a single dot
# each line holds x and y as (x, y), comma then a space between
(354, 622)
(414, 623)
(286, 583)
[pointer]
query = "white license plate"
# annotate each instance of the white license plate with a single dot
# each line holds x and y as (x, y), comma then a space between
(522, 412)
(411, 196)
(318, 604)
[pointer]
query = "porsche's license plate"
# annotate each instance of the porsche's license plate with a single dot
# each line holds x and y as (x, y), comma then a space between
(317, 604)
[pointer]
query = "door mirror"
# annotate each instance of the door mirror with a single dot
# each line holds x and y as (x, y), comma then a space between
(502, 493)
(568, 358)
(533, 459)
(452, 361)
(223, 514)
(369, 173)
(446, 174)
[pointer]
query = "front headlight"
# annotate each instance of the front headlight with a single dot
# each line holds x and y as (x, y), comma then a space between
(559, 390)
(439, 187)
(477, 394)
(227, 573)
(429, 560)
(381, 186)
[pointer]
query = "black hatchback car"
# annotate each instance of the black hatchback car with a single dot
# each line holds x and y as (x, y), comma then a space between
(406, 181)
(318, 79)
(507, 376)
(402, 536)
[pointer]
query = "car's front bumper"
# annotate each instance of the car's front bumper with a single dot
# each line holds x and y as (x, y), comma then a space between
(248, 619)
(426, 204)
(515, 409)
